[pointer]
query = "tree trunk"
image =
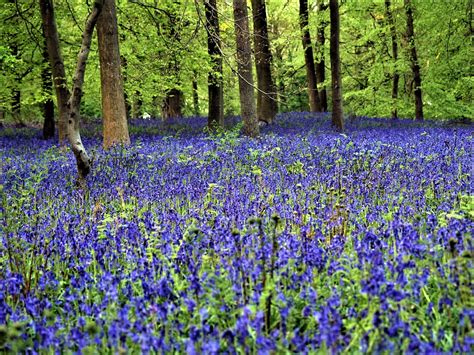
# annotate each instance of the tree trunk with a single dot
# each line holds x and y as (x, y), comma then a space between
(396, 75)
(48, 104)
(72, 106)
(57, 65)
(172, 104)
(195, 98)
(244, 67)
(113, 99)
(320, 61)
(337, 114)
(415, 66)
(314, 103)
(215, 82)
(266, 95)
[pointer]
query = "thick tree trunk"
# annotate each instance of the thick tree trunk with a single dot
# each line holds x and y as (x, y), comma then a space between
(48, 104)
(215, 82)
(396, 75)
(57, 65)
(113, 99)
(320, 60)
(72, 106)
(172, 104)
(195, 98)
(266, 95)
(244, 61)
(314, 103)
(415, 66)
(337, 114)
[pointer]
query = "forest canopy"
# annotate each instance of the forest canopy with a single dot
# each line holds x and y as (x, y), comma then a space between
(163, 50)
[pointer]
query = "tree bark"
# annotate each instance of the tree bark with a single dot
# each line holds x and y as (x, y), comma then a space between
(320, 61)
(48, 104)
(72, 106)
(172, 104)
(215, 82)
(57, 65)
(313, 95)
(396, 75)
(415, 66)
(195, 98)
(266, 95)
(113, 99)
(244, 67)
(337, 113)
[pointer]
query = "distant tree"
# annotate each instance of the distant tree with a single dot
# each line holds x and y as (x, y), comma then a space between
(113, 99)
(314, 102)
(244, 63)
(396, 75)
(266, 95)
(337, 113)
(415, 66)
(69, 103)
(320, 62)
(196, 110)
(215, 82)
(48, 104)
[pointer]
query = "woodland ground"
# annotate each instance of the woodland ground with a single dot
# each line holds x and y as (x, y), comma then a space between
(302, 240)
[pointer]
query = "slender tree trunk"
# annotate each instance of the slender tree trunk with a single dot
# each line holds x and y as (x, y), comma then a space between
(314, 103)
(396, 75)
(415, 66)
(113, 100)
(72, 106)
(48, 104)
(195, 97)
(337, 113)
(266, 95)
(244, 61)
(215, 82)
(320, 61)
(57, 65)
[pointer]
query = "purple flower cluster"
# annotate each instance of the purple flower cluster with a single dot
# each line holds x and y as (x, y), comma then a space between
(300, 240)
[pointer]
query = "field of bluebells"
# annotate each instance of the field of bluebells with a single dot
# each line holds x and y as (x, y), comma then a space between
(303, 240)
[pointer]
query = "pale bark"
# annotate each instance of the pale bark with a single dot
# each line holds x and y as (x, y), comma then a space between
(72, 106)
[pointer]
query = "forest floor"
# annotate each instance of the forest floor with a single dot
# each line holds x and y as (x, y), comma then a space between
(300, 240)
